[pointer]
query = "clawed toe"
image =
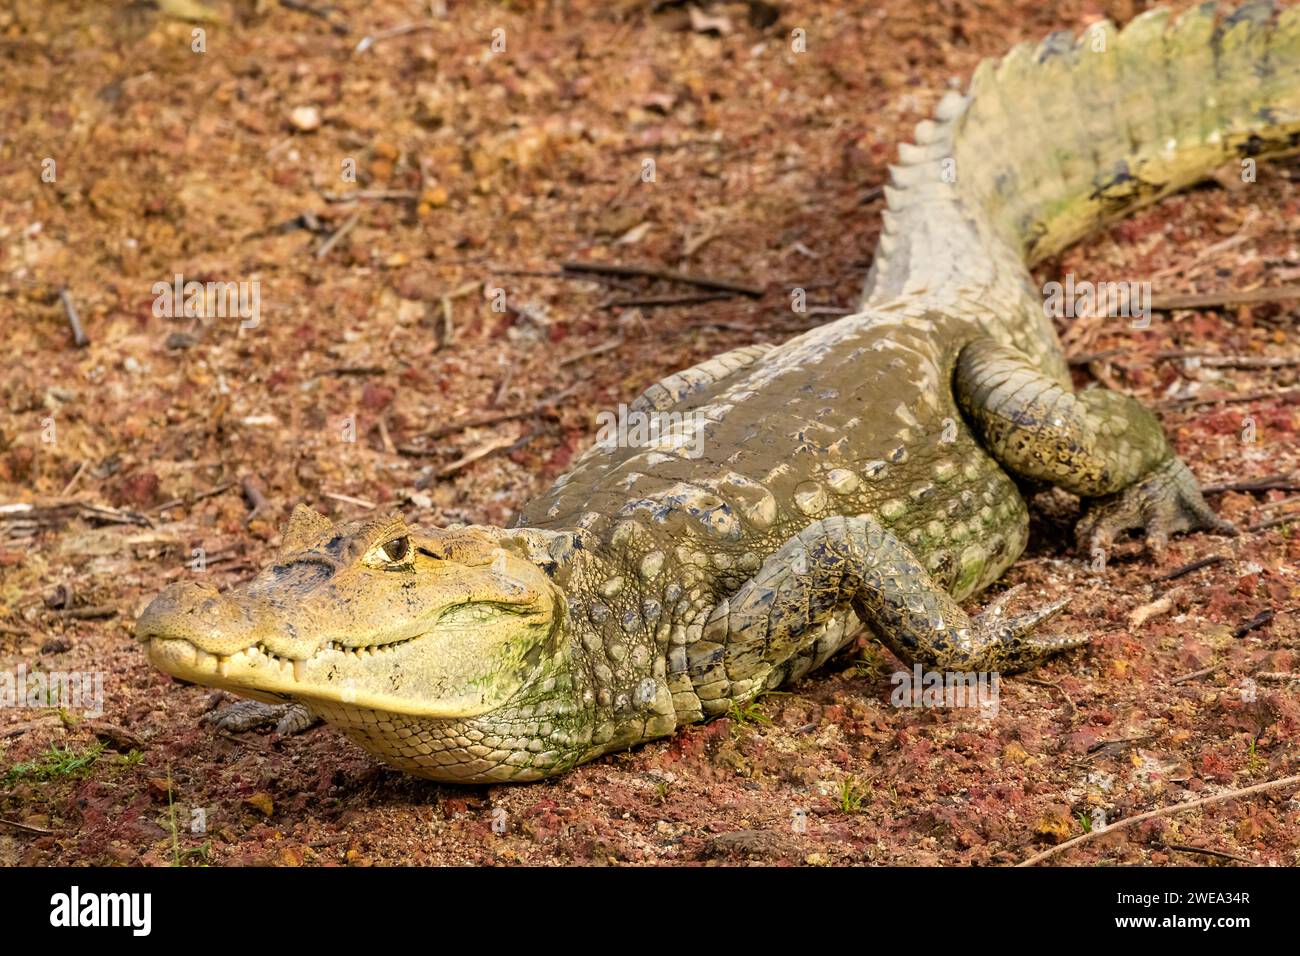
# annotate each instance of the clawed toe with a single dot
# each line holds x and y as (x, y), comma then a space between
(1018, 648)
(1165, 502)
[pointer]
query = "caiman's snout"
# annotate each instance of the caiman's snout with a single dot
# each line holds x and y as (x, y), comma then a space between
(203, 616)
(197, 633)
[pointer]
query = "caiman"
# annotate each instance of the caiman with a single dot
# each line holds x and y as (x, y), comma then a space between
(870, 473)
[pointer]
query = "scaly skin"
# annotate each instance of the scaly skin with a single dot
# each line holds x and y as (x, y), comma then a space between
(860, 474)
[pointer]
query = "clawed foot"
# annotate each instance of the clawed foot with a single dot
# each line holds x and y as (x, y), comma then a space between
(1009, 636)
(1166, 501)
(245, 715)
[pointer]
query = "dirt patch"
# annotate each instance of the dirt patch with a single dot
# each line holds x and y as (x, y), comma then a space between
(385, 201)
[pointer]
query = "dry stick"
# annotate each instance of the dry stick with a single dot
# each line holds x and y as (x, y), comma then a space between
(368, 41)
(380, 195)
(1193, 566)
(464, 461)
(1207, 852)
(1195, 674)
(358, 370)
(490, 449)
(1074, 711)
(67, 489)
(78, 333)
(256, 499)
(1273, 522)
(1271, 483)
(93, 613)
(349, 500)
(25, 827)
(1270, 505)
(873, 193)
(500, 394)
(1231, 399)
(17, 730)
(588, 353)
(1258, 621)
(1226, 297)
(661, 301)
(1210, 360)
(483, 421)
(385, 439)
(1162, 812)
(210, 493)
(1087, 358)
(649, 272)
(338, 234)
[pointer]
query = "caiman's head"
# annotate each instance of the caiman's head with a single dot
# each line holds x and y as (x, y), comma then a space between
(449, 624)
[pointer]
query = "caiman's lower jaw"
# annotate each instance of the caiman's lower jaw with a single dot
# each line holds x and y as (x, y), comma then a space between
(380, 677)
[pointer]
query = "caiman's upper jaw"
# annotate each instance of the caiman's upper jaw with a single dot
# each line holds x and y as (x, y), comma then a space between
(414, 675)
(333, 672)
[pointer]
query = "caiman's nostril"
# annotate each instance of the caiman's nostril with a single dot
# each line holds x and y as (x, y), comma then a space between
(197, 613)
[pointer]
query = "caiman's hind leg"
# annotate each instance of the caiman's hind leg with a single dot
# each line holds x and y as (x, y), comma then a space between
(1097, 444)
(244, 715)
(854, 561)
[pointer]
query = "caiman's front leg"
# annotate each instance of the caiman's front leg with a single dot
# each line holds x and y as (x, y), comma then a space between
(244, 715)
(1097, 444)
(855, 561)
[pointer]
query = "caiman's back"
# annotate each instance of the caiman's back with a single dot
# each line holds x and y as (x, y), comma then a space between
(856, 417)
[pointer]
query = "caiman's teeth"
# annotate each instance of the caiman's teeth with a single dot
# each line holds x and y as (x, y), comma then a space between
(222, 663)
(299, 670)
(204, 660)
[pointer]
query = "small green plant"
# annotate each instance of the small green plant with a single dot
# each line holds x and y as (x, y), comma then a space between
(57, 763)
(853, 794)
(1254, 762)
(200, 853)
(1085, 822)
(130, 759)
(749, 713)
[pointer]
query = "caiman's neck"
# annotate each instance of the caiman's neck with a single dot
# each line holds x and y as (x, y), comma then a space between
(625, 624)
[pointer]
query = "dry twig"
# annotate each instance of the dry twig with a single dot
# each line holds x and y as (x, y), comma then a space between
(650, 272)
(1162, 812)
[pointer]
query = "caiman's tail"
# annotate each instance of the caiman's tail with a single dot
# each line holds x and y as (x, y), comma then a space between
(1053, 141)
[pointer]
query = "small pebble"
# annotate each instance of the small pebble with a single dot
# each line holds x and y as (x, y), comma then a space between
(305, 119)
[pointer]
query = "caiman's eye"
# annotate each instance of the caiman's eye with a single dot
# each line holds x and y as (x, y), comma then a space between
(397, 549)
